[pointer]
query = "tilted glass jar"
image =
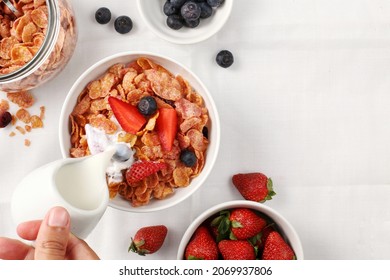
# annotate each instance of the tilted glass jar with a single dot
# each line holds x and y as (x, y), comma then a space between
(60, 38)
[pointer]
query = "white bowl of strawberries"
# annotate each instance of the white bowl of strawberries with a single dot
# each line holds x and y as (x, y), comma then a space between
(158, 114)
(240, 230)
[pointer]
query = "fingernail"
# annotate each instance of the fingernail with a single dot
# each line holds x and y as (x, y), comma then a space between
(58, 217)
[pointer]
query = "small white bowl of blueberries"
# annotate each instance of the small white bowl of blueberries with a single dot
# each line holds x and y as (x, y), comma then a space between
(185, 21)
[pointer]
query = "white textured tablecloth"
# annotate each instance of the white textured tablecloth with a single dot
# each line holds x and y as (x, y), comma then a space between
(306, 102)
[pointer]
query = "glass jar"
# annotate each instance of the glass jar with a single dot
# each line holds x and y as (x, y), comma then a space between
(51, 46)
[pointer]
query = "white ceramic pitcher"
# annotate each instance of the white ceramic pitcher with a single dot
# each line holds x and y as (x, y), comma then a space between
(77, 184)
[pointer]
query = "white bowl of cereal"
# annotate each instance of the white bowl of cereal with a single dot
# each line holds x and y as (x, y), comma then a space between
(165, 18)
(177, 137)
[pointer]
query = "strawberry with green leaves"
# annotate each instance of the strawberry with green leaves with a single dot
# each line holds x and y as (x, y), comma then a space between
(142, 169)
(148, 240)
(245, 223)
(128, 116)
(259, 239)
(254, 186)
(276, 248)
(236, 250)
(202, 246)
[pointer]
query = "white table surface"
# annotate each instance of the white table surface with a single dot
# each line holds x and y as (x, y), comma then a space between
(307, 102)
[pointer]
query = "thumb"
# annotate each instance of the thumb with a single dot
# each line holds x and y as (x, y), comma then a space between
(53, 235)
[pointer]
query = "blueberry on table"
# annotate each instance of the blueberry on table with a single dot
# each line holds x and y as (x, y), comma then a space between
(225, 58)
(188, 158)
(5, 119)
(123, 24)
(169, 9)
(190, 11)
(103, 15)
(205, 10)
(215, 3)
(175, 22)
(147, 105)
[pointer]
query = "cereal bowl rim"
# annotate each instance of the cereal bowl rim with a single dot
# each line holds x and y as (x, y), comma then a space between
(284, 225)
(206, 29)
(96, 70)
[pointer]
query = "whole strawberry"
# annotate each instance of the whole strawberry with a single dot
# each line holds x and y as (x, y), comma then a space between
(148, 240)
(245, 223)
(254, 186)
(202, 246)
(276, 248)
(236, 250)
(259, 239)
(142, 169)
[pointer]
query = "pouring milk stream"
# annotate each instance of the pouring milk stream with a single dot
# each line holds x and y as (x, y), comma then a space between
(77, 184)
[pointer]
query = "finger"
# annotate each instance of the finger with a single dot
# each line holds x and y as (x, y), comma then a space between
(12, 249)
(53, 235)
(79, 250)
(29, 230)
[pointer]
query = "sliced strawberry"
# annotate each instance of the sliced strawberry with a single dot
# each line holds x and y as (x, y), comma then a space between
(166, 126)
(128, 116)
(142, 169)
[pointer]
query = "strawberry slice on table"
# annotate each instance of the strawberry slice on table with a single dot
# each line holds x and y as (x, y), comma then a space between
(142, 169)
(166, 127)
(148, 240)
(202, 246)
(128, 116)
(276, 248)
(254, 186)
(237, 250)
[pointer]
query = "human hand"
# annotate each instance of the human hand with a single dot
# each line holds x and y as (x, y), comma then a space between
(53, 240)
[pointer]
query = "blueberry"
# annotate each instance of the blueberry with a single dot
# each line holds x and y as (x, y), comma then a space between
(147, 105)
(192, 23)
(177, 3)
(215, 3)
(225, 58)
(169, 9)
(5, 119)
(175, 22)
(122, 153)
(123, 24)
(188, 158)
(103, 15)
(190, 11)
(205, 10)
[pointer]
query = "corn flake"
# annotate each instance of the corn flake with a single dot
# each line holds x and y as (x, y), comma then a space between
(36, 122)
(23, 99)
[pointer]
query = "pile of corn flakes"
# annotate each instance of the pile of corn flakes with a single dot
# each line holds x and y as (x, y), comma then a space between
(21, 38)
(130, 83)
(24, 100)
